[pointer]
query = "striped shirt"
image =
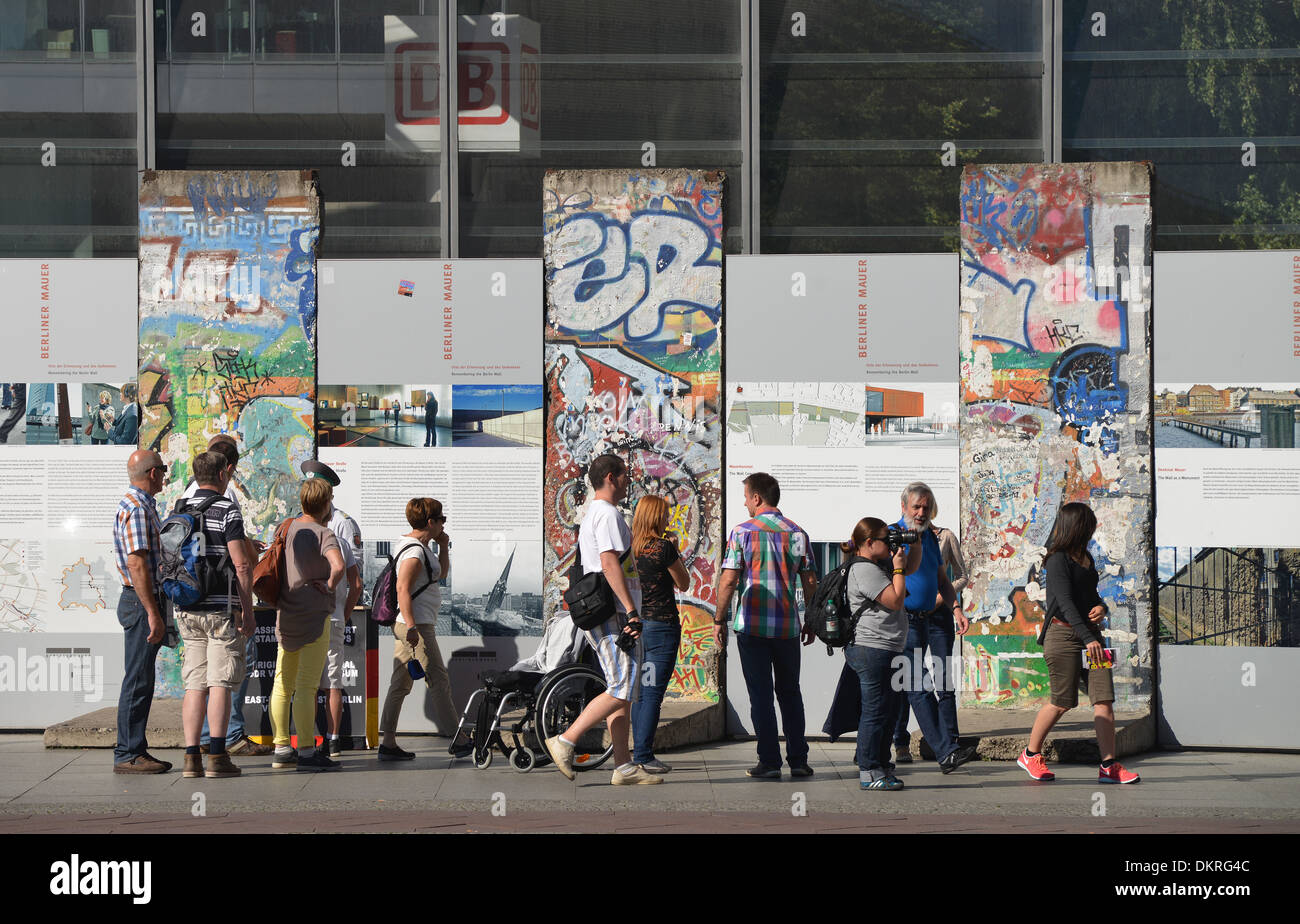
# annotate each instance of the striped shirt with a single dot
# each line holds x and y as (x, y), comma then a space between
(134, 530)
(770, 551)
(223, 525)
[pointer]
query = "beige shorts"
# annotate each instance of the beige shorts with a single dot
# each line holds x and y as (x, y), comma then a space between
(331, 677)
(214, 652)
(1063, 653)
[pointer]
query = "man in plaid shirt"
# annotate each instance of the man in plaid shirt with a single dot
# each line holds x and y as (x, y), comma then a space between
(768, 551)
(135, 546)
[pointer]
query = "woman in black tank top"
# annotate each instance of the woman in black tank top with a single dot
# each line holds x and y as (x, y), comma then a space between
(661, 571)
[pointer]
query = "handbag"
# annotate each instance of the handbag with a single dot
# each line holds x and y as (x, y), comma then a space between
(590, 599)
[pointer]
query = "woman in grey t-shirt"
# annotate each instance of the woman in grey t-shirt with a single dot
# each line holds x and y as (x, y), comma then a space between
(876, 586)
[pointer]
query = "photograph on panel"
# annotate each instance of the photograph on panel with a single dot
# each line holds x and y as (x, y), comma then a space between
(13, 413)
(384, 415)
(81, 414)
(1226, 416)
(1227, 597)
(918, 414)
(497, 415)
(495, 588)
(796, 414)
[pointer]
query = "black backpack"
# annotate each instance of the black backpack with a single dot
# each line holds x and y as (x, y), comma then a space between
(828, 613)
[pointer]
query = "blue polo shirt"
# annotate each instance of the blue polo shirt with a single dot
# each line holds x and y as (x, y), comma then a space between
(923, 584)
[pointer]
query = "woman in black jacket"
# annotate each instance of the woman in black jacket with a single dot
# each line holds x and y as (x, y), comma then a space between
(1072, 626)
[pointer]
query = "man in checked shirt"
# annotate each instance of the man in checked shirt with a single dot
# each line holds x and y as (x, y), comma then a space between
(135, 547)
(765, 553)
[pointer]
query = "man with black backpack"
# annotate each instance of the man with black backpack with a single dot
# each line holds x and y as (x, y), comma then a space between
(603, 541)
(213, 630)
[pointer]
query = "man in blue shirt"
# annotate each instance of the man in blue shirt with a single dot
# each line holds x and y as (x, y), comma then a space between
(932, 609)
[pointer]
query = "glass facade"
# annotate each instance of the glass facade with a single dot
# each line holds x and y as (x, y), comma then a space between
(1207, 91)
(842, 124)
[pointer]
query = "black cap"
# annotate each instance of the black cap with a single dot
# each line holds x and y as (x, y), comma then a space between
(313, 469)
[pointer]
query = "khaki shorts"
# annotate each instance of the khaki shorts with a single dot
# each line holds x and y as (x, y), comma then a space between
(214, 652)
(1064, 655)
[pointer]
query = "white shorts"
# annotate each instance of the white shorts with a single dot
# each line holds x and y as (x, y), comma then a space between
(331, 677)
(622, 670)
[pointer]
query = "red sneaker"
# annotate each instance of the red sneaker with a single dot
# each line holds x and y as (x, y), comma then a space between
(1116, 774)
(1035, 766)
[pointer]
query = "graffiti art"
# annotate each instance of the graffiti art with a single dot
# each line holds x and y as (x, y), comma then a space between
(1055, 375)
(228, 327)
(632, 365)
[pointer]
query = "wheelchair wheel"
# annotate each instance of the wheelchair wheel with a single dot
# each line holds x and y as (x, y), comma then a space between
(522, 759)
(483, 759)
(560, 700)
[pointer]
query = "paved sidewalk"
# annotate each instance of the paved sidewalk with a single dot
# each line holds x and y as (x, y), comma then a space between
(75, 791)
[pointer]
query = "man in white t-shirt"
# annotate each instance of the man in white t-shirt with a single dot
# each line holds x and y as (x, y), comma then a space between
(603, 540)
(346, 596)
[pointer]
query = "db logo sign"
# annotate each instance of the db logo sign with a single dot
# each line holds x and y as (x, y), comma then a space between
(483, 83)
(415, 83)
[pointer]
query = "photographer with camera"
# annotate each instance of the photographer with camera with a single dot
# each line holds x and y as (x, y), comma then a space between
(935, 707)
(876, 589)
(604, 543)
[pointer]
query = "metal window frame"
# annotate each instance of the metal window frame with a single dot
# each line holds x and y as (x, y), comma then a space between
(449, 142)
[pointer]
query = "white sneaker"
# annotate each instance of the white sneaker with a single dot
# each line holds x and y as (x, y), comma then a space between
(656, 766)
(638, 776)
(562, 753)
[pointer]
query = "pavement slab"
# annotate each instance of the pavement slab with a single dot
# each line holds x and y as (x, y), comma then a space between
(74, 791)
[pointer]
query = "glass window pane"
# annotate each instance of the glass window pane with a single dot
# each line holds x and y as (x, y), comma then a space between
(589, 90)
(309, 111)
(207, 30)
(39, 29)
(858, 99)
(1218, 113)
(295, 29)
(110, 30)
(67, 129)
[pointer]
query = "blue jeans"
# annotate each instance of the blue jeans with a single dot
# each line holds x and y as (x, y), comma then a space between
(874, 669)
(659, 641)
(235, 730)
(137, 678)
(762, 660)
(935, 708)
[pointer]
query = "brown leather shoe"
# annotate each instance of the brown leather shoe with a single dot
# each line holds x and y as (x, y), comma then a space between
(193, 766)
(220, 766)
(167, 765)
(247, 747)
(142, 764)
(203, 749)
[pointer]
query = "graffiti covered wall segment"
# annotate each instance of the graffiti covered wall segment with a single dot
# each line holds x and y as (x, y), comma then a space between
(632, 365)
(228, 327)
(1055, 372)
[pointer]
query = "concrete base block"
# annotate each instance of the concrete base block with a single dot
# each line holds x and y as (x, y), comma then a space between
(1001, 734)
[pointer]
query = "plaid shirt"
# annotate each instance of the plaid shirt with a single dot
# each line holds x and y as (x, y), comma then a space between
(770, 551)
(136, 529)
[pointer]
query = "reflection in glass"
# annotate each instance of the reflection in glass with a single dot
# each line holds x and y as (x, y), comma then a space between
(854, 118)
(1213, 78)
(295, 28)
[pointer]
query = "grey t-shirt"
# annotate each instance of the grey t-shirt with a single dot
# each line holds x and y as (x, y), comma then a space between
(878, 627)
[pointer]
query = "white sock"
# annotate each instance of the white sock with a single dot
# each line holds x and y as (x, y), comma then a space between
(334, 737)
(282, 750)
(566, 741)
(627, 769)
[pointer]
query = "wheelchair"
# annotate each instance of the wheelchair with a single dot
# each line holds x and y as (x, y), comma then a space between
(516, 711)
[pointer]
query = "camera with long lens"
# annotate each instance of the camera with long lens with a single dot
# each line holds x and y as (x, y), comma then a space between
(899, 537)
